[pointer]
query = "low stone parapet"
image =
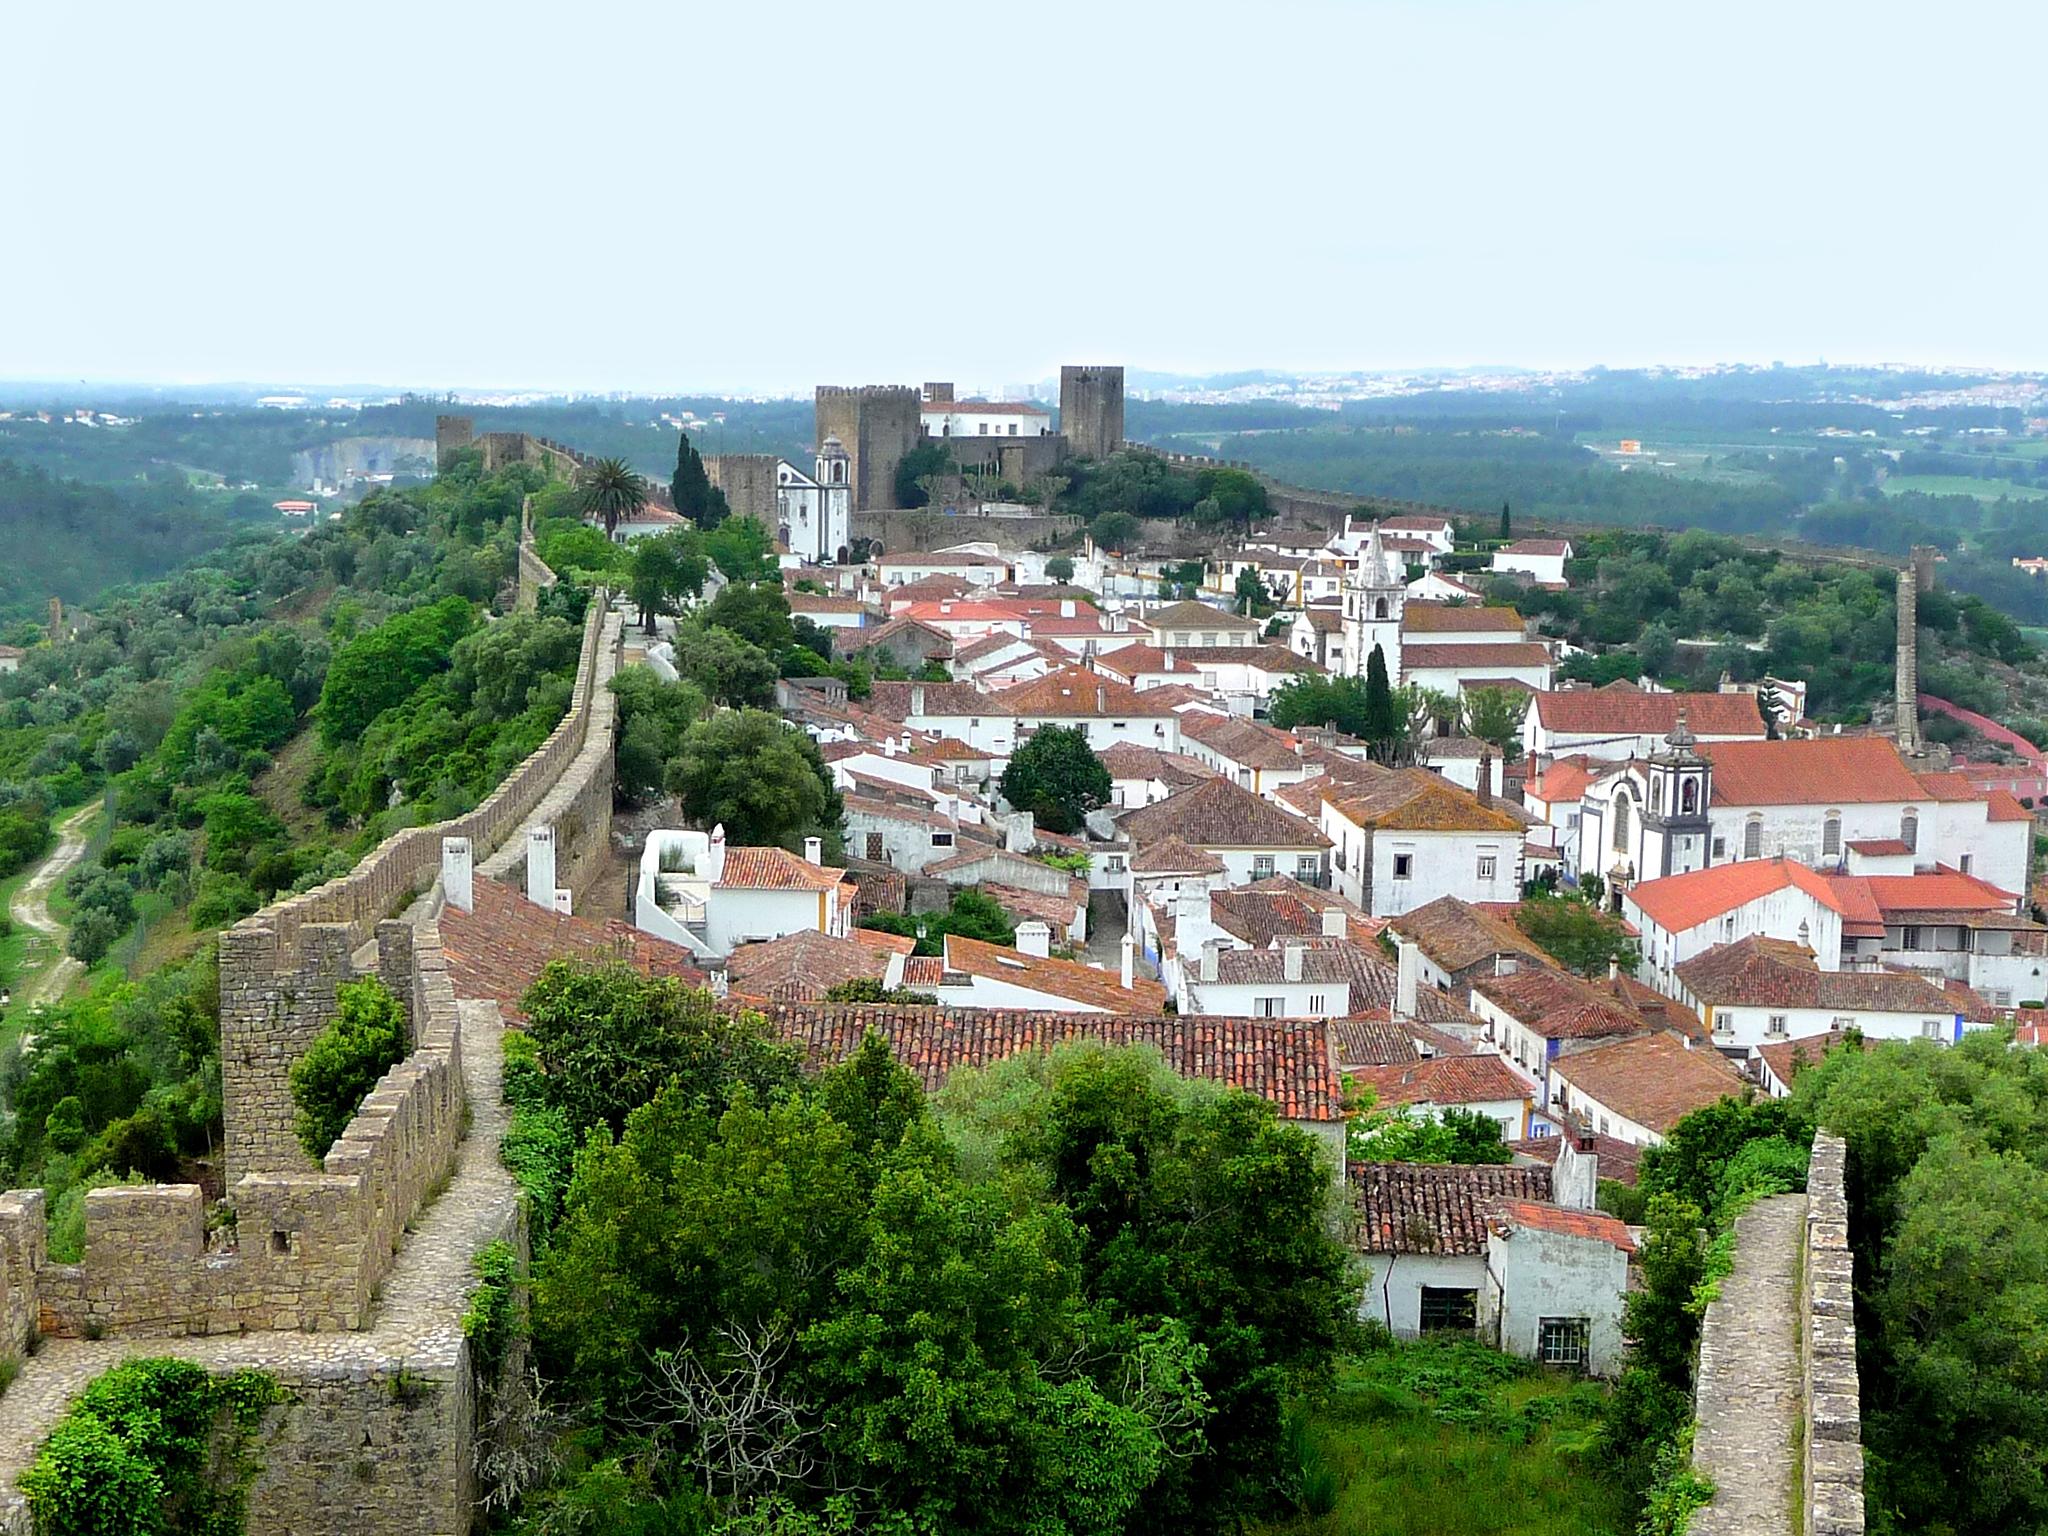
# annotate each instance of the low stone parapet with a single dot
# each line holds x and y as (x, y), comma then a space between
(1832, 1432)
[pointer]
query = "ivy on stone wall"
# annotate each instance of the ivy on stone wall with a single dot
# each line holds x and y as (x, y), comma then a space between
(330, 1082)
(154, 1447)
(492, 1321)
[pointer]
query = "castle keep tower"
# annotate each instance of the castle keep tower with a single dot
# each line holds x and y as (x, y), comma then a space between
(877, 424)
(1092, 409)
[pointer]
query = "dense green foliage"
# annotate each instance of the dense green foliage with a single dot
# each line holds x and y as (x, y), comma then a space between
(1442, 1438)
(971, 914)
(1071, 1295)
(748, 771)
(1577, 933)
(72, 540)
(123, 1081)
(1057, 777)
(338, 1070)
(1404, 1135)
(154, 1447)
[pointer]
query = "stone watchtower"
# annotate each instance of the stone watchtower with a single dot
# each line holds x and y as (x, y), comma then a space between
(1092, 409)
(877, 424)
(451, 435)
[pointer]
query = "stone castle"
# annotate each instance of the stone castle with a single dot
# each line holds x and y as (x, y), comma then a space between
(346, 1280)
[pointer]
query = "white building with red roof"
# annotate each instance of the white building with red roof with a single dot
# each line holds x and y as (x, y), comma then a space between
(696, 892)
(977, 565)
(1540, 559)
(1621, 721)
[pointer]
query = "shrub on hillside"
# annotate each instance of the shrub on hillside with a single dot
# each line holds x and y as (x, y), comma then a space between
(366, 1040)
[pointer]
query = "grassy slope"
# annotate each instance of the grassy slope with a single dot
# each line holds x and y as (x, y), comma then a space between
(1423, 1445)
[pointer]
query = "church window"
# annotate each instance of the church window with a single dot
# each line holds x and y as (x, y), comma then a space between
(1689, 796)
(1379, 608)
(1753, 838)
(1831, 834)
(1909, 830)
(1621, 813)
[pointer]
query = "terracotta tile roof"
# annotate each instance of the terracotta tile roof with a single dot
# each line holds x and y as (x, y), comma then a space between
(1786, 1057)
(1515, 653)
(803, 966)
(1880, 847)
(990, 645)
(1069, 979)
(1079, 693)
(1284, 1061)
(1651, 1079)
(1478, 1079)
(1829, 770)
(891, 700)
(1756, 972)
(1189, 614)
(1177, 695)
(1416, 800)
(1538, 547)
(1542, 1217)
(1378, 1039)
(1678, 902)
(1151, 661)
(949, 749)
(775, 869)
(1056, 911)
(1622, 709)
(1171, 856)
(1947, 787)
(1128, 760)
(862, 637)
(1267, 911)
(940, 557)
(1413, 523)
(1435, 1208)
(1456, 935)
(812, 602)
(1419, 617)
(497, 949)
(1556, 1006)
(1329, 961)
(1618, 1160)
(1244, 742)
(1218, 814)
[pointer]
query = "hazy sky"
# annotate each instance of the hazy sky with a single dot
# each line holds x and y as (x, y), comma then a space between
(759, 195)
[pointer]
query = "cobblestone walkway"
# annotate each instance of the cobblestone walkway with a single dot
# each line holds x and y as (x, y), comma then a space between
(419, 1313)
(1748, 1394)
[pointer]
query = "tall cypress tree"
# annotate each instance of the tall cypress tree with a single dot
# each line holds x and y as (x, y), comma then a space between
(1380, 724)
(1504, 533)
(690, 487)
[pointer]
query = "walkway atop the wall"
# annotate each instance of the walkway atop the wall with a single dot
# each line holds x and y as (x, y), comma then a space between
(1748, 1396)
(419, 1312)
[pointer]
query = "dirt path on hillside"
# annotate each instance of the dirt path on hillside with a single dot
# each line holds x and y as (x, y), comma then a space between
(31, 909)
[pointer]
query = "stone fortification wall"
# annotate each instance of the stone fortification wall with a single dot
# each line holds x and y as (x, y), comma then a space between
(1832, 1427)
(1092, 408)
(279, 968)
(22, 1236)
(535, 574)
(877, 424)
(749, 483)
(310, 1248)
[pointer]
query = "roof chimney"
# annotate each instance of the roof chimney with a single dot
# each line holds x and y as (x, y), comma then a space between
(814, 850)
(1102, 701)
(1406, 974)
(1209, 949)
(1484, 788)
(1169, 661)
(714, 856)
(1336, 923)
(1130, 959)
(1020, 831)
(1290, 960)
(540, 866)
(917, 698)
(457, 888)
(1613, 969)
(1034, 938)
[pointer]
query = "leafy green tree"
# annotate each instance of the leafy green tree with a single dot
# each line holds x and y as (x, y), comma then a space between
(757, 612)
(1400, 1135)
(1494, 716)
(1240, 497)
(92, 934)
(1114, 530)
(972, 915)
(1251, 593)
(728, 669)
(383, 666)
(1655, 647)
(610, 492)
(749, 771)
(609, 1039)
(1060, 569)
(665, 568)
(1578, 935)
(1311, 700)
(652, 718)
(1057, 777)
(1382, 723)
(917, 469)
(495, 670)
(341, 1066)
(743, 550)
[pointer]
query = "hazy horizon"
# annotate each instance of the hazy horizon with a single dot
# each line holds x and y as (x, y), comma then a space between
(750, 201)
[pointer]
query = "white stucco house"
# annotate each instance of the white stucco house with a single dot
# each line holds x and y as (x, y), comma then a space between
(1410, 837)
(1542, 560)
(695, 891)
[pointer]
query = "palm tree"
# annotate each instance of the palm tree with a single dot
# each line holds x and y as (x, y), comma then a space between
(611, 492)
